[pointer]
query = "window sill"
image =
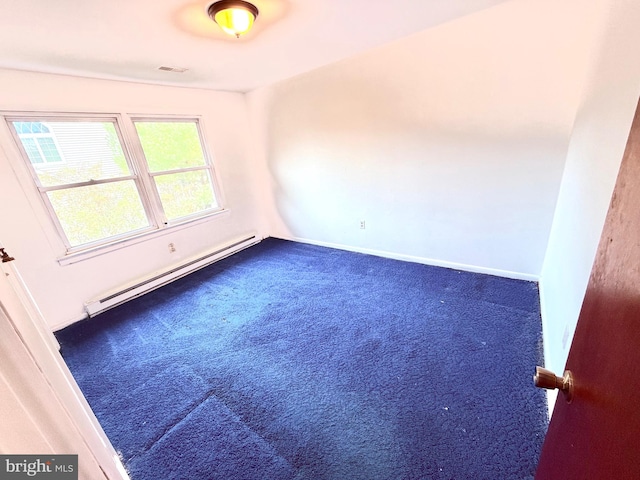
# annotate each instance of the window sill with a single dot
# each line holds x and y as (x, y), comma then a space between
(80, 256)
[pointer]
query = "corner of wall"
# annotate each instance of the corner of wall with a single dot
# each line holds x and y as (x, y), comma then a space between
(595, 151)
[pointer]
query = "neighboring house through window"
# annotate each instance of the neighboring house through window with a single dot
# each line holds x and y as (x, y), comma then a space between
(39, 144)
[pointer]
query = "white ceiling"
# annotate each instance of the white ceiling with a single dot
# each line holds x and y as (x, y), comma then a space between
(130, 39)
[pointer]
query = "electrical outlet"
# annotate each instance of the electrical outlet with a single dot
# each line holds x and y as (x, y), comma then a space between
(172, 248)
(362, 224)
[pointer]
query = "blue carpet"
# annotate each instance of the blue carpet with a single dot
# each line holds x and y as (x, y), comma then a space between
(296, 362)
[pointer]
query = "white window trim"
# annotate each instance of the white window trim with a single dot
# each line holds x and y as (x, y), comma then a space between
(129, 126)
(134, 155)
(86, 254)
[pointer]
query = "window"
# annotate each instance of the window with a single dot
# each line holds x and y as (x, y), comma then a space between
(178, 167)
(98, 192)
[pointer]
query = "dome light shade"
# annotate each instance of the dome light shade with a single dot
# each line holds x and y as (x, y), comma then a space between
(235, 17)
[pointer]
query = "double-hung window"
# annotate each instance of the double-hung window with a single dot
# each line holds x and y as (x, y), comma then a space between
(100, 188)
(178, 166)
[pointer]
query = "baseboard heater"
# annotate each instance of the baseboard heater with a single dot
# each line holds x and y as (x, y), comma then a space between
(115, 298)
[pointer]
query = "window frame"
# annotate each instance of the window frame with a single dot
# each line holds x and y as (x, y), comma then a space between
(139, 174)
(208, 167)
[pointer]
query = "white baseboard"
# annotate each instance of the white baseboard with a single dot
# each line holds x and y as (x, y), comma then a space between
(69, 321)
(416, 259)
(157, 279)
(551, 394)
(160, 278)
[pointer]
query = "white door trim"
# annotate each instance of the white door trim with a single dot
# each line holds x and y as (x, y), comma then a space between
(24, 317)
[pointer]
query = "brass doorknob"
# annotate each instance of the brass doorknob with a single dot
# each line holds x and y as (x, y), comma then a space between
(547, 379)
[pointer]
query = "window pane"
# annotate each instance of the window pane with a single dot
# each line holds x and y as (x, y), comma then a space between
(170, 145)
(49, 149)
(185, 193)
(30, 127)
(96, 212)
(90, 150)
(31, 148)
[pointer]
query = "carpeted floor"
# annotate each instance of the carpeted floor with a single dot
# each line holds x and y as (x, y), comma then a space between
(291, 361)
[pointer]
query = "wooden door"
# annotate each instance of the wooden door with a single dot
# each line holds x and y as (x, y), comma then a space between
(597, 435)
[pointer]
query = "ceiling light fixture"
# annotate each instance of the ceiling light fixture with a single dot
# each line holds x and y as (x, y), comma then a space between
(234, 16)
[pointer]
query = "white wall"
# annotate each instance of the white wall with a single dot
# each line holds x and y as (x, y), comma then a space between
(27, 232)
(595, 152)
(450, 144)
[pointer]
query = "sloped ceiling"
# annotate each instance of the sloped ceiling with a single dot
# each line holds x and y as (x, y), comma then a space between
(130, 39)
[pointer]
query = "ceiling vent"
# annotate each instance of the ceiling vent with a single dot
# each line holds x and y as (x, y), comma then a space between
(173, 69)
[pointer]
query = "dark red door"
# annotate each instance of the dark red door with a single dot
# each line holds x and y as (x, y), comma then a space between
(597, 435)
